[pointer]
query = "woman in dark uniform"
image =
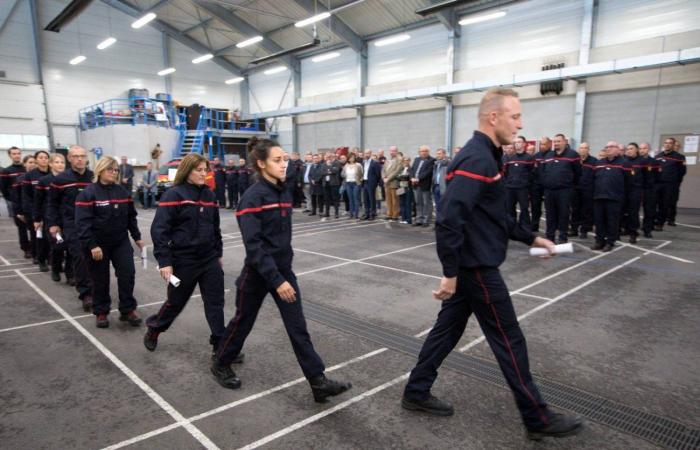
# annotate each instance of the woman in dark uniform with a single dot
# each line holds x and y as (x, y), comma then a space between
(29, 187)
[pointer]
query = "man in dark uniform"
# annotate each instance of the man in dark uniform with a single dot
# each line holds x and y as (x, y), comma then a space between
(518, 169)
(582, 201)
(219, 182)
(8, 176)
(561, 170)
(671, 172)
(633, 200)
(651, 174)
(472, 236)
(232, 183)
(243, 177)
(537, 191)
(612, 180)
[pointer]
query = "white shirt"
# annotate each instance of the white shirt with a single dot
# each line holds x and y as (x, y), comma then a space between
(367, 163)
(351, 173)
(306, 174)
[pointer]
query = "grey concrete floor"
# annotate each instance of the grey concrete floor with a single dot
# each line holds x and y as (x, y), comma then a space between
(623, 326)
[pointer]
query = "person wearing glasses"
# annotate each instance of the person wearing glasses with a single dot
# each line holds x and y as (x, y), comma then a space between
(104, 217)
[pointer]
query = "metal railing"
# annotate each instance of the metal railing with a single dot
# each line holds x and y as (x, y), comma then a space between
(223, 120)
(129, 111)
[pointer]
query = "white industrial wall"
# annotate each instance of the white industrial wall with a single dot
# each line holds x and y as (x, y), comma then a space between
(406, 130)
(315, 136)
(270, 92)
(333, 75)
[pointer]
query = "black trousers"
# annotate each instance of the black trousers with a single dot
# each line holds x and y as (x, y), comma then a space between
(220, 191)
(210, 277)
(83, 284)
(43, 246)
(61, 257)
(649, 205)
(369, 198)
(330, 198)
(557, 202)
(666, 200)
(582, 210)
(317, 203)
(482, 292)
(631, 215)
(607, 215)
(251, 289)
(122, 258)
(536, 197)
(521, 198)
(232, 196)
(33, 241)
(25, 239)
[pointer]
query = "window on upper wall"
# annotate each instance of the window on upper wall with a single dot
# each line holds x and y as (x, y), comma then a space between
(528, 30)
(423, 54)
(621, 21)
(332, 71)
(24, 141)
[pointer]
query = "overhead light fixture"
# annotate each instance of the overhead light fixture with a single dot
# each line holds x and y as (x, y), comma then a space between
(313, 19)
(106, 43)
(234, 80)
(167, 71)
(143, 20)
(250, 41)
(77, 60)
(325, 57)
(202, 58)
(274, 70)
(314, 43)
(482, 18)
(392, 40)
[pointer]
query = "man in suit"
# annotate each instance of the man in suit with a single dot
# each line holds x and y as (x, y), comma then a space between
(421, 179)
(316, 189)
(126, 174)
(440, 177)
(232, 183)
(306, 183)
(149, 184)
(372, 174)
(390, 172)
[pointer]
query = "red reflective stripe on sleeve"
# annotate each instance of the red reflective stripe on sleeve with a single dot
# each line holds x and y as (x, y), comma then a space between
(474, 176)
(90, 203)
(262, 208)
(64, 186)
(187, 202)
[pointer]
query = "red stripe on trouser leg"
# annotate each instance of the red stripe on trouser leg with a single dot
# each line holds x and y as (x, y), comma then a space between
(543, 417)
(236, 318)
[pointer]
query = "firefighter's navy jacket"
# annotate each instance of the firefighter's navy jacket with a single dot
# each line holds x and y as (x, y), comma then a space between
(29, 189)
(672, 167)
(64, 190)
(186, 227)
(103, 214)
(587, 173)
(41, 197)
(265, 219)
(613, 178)
(474, 228)
(518, 169)
(560, 170)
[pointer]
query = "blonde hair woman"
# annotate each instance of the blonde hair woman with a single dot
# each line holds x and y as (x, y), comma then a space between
(105, 216)
(57, 164)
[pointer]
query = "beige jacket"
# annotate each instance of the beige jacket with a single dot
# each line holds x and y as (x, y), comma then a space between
(390, 171)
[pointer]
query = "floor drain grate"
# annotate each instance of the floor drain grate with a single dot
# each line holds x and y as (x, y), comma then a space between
(651, 427)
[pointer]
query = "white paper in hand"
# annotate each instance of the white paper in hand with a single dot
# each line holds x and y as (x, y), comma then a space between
(144, 258)
(558, 250)
(175, 281)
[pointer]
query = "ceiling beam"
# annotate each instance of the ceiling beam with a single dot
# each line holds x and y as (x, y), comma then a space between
(204, 24)
(175, 34)
(337, 26)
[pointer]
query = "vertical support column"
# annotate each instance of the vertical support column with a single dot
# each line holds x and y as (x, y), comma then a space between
(453, 41)
(296, 80)
(166, 62)
(583, 57)
(361, 85)
(34, 14)
(245, 97)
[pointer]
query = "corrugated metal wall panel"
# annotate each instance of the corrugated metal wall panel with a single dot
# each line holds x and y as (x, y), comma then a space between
(424, 54)
(529, 30)
(336, 133)
(338, 74)
(407, 130)
(621, 21)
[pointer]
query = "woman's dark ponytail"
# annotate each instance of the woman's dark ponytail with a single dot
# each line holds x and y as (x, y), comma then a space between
(259, 150)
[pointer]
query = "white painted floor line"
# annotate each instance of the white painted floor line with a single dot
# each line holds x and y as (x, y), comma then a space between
(665, 255)
(688, 225)
(532, 296)
(160, 401)
(305, 227)
(15, 275)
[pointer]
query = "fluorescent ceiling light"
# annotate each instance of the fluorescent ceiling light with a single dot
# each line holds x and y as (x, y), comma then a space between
(202, 58)
(106, 43)
(143, 20)
(250, 41)
(234, 80)
(325, 57)
(277, 69)
(392, 40)
(482, 18)
(313, 19)
(167, 71)
(77, 60)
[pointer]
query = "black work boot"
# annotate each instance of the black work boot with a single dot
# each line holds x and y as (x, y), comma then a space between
(150, 339)
(648, 235)
(607, 248)
(87, 302)
(323, 388)
(598, 246)
(431, 405)
(70, 281)
(559, 426)
(101, 321)
(224, 375)
(43, 267)
(131, 317)
(633, 238)
(55, 276)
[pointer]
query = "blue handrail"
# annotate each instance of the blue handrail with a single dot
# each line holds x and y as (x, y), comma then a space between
(128, 111)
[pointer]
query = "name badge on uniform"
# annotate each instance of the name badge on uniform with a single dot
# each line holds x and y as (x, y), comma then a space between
(116, 206)
(607, 168)
(556, 160)
(516, 164)
(201, 209)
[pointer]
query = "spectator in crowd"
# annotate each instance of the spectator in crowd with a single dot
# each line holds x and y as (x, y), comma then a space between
(455, 150)
(439, 177)
(405, 192)
(422, 176)
(352, 174)
(308, 164)
(126, 174)
(149, 186)
(315, 176)
(232, 183)
(330, 181)
(390, 171)
(372, 174)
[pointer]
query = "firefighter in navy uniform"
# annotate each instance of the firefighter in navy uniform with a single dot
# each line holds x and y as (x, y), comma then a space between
(243, 177)
(104, 215)
(29, 185)
(560, 172)
(613, 175)
(219, 182)
(187, 243)
(60, 216)
(651, 174)
(537, 190)
(8, 177)
(582, 201)
(264, 217)
(232, 183)
(517, 169)
(26, 235)
(671, 172)
(633, 199)
(472, 238)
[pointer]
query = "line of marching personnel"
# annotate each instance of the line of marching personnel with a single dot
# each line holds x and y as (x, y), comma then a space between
(580, 191)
